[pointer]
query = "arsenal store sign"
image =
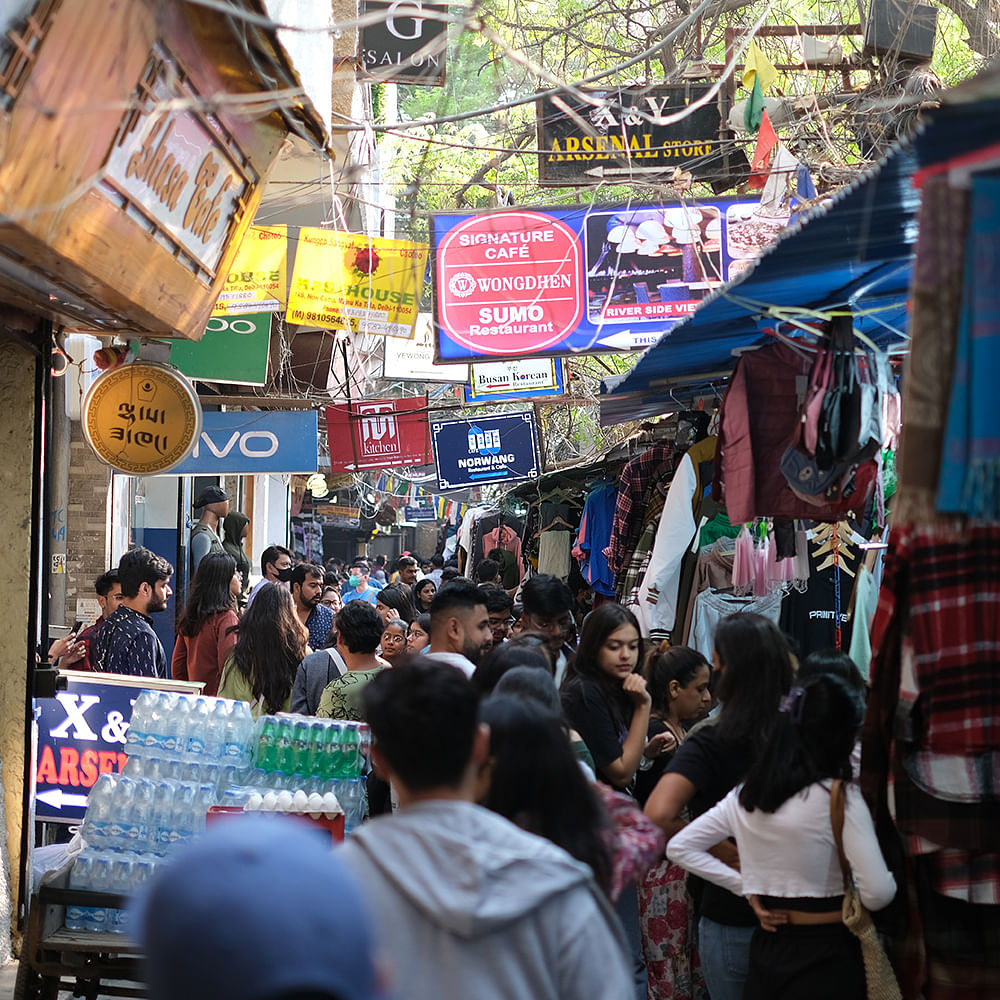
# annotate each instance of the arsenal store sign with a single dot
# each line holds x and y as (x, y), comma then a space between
(378, 434)
(629, 132)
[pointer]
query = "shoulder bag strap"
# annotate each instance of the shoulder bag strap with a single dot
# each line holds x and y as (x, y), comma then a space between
(837, 799)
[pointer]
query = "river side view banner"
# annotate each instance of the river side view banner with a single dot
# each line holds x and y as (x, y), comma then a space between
(579, 280)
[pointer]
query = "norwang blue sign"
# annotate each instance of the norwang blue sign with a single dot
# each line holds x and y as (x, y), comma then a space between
(480, 450)
(248, 443)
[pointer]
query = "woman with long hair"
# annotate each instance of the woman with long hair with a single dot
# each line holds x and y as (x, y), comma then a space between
(271, 642)
(423, 593)
(536, 782)
(205, 626)
(418, 635)
(392, 602)
(678, 679)
(789, 861)
(756, 668)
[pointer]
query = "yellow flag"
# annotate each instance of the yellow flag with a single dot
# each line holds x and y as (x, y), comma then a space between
(758, 63)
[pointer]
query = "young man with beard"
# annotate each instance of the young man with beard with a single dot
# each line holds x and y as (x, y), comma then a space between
(307, 589)
(460, 626)
(126, 643)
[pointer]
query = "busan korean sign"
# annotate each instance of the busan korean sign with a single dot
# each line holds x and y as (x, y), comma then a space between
(142, 419)
(616, 133)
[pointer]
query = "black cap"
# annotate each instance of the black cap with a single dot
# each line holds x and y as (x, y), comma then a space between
(210, 494)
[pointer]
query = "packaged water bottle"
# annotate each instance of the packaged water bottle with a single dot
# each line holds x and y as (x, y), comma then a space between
(121, 883)
(144, 821)
(215, 740)
(237, 735)
(163, 804)
(121, 830)
(204, 798)
(158, 723)
(135, 767)
(177, 727)
(266, 757)
(350, 751)
(100, 881)
(350, 794)
(135, 738)
(79, 878)
(182, 817)
(100, 810)
(286, 756)
(198, 727)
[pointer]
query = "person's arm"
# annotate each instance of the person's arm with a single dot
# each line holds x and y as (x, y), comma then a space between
(179, 659)
(201, 545)
(621, 771)
(875, 883)
(667, 801)
(300, 704)
(592, 961)
(690, 847)
(226, 640)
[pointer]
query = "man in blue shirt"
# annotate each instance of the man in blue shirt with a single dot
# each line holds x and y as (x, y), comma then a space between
(127, 643)
(307, 589)
(359, 587)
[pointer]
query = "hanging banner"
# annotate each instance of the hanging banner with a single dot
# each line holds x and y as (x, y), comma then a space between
(481, 450)
(349, 280)
(615, 134)
(258, 280)
(232, 349)
(520, 379)
(378, 434)
(254, 442)
(406, 43)
(413, 360)
(515, 283)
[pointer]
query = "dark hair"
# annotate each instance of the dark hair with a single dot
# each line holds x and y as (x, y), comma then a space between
(812, 740)
(757, 672)
(423, 622)
(304, 569)
(209, 593)
(835, 662)
(139, 566)
(599, 624)
(437, 561)
(361, 564)
(396, 598)
(396, 623)
(488, 570)
(456, 595)
(423, 716)
(270, 555)
(405, 561)
(380, 559)
(675, 663)
(270, 645)
(449, 573)
(530, 683)
(537, 783)
(497, 599)
(546, 595)
(360, 626)
(504, 657)
(331, 579)
(422, 585)
(104, 583)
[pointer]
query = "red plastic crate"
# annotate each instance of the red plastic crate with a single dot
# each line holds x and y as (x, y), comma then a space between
(335, 826)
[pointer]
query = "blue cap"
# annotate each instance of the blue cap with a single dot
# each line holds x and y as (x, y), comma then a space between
(260, 909)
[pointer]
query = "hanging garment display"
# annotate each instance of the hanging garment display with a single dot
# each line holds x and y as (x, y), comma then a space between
(599, 511)
(711, 606)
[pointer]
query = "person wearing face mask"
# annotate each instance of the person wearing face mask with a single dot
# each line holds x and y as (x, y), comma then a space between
(276, 565)
(359, 587)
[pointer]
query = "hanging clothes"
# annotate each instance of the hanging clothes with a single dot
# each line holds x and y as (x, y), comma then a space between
(865, 602)
(554, 552)
(592, 538)
(711, 606)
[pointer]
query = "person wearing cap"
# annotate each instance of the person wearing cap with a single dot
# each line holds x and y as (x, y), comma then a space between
(214, 504)
(258, 909)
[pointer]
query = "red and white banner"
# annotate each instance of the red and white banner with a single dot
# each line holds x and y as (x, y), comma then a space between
(509, 283)
(378, 434)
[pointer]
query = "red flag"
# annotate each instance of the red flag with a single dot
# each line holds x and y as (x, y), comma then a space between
(766, 141)
(378, 434)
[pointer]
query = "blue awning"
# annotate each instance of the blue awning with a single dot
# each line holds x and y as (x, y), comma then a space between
(855, 250)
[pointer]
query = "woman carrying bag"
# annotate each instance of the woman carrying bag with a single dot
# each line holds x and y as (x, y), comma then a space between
(790, 867)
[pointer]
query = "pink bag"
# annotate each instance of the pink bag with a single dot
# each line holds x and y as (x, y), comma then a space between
(819, 381)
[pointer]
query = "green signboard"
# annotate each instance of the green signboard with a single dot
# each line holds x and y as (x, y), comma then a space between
(233, 349)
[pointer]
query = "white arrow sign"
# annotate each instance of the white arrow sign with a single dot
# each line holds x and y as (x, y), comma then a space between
(626, 340)
(602, 171)
(57, 798)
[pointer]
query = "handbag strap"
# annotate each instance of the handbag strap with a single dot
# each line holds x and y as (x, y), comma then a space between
(837, 800)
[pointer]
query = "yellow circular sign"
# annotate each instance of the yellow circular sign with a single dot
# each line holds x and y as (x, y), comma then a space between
(142, 419)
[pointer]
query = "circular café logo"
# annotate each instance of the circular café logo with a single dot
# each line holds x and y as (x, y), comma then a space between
(142, 419)
(510, 283)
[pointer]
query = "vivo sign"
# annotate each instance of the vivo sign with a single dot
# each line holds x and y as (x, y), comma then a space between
(253, 442)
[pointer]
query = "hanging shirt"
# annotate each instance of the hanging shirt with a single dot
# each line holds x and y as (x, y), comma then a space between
(593, 538)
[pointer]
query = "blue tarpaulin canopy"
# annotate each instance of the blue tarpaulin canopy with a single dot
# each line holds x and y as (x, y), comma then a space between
(855, 250)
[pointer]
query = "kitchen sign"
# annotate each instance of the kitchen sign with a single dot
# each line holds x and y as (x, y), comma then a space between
(519, 379)
(513, 283)
(378, 434)
(406, 41)
(619, 134)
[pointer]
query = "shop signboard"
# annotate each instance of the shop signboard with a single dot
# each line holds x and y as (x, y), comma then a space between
(515, 283)
(352, 281)
(378, 434)
(519, 379)
(337, 515)
(81, 735)
(480, 450)
(419, 513)
(142, 419)
(405, 42)
(253, 442)
(233, 348)
(257, 282)
(634, 132)
(413, 360)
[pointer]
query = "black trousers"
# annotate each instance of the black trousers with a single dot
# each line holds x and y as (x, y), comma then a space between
(815, 962)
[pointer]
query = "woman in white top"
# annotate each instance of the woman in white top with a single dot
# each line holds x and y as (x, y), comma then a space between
(789, 867)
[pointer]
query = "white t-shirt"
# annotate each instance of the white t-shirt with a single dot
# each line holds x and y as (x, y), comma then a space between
(788, 853)
(455, 660)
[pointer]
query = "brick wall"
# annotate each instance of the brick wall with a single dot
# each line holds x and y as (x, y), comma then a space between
(86, 521)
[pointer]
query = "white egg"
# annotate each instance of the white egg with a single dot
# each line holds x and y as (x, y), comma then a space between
(269, 801)
(299, 801)
(284, 800)
(254, 802)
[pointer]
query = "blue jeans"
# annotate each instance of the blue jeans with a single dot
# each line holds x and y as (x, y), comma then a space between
(725, 958)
